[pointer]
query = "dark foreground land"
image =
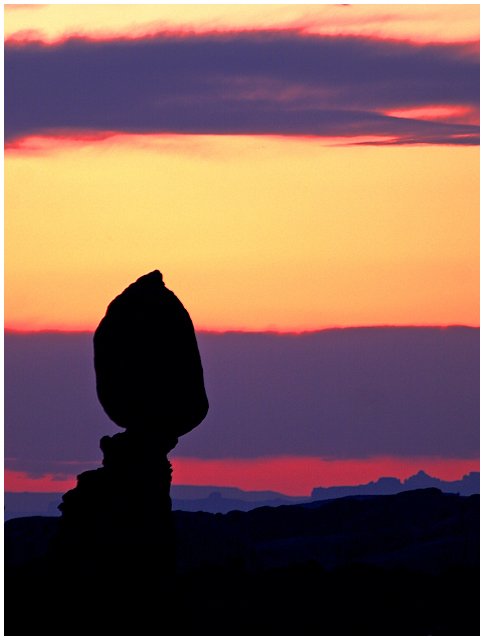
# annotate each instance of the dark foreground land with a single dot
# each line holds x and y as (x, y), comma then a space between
(405, 564)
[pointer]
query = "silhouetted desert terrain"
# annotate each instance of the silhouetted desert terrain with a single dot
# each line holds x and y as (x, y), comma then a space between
(214, 499)
(405, 564)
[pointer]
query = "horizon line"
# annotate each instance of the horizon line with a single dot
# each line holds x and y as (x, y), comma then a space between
(290, 475)
(336, 486)
(273, 331)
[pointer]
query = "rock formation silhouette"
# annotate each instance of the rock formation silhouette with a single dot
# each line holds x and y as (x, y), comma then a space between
(117, 523)
(148, 369)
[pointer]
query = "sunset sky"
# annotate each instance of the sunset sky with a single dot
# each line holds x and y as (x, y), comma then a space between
(286, 167)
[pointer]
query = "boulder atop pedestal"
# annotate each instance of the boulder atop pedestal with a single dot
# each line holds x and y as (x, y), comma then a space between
(149, 374)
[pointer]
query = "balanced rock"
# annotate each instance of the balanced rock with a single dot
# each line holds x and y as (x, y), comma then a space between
(148, 370)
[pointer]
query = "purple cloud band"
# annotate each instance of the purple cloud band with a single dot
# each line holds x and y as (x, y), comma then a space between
(266, 82)
(340, 393)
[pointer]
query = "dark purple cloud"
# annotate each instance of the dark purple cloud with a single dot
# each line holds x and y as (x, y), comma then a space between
(342, 393)
(267, 82)
(52, 415)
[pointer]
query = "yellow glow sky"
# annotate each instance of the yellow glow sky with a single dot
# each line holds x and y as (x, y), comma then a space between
(424, 22)
(251, 233)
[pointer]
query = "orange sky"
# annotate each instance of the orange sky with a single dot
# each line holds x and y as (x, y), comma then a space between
(251, 232)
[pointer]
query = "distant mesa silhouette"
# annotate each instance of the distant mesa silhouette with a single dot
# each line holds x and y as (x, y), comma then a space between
(150, 382)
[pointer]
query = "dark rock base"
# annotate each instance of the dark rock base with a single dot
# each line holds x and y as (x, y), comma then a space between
(114, 553)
